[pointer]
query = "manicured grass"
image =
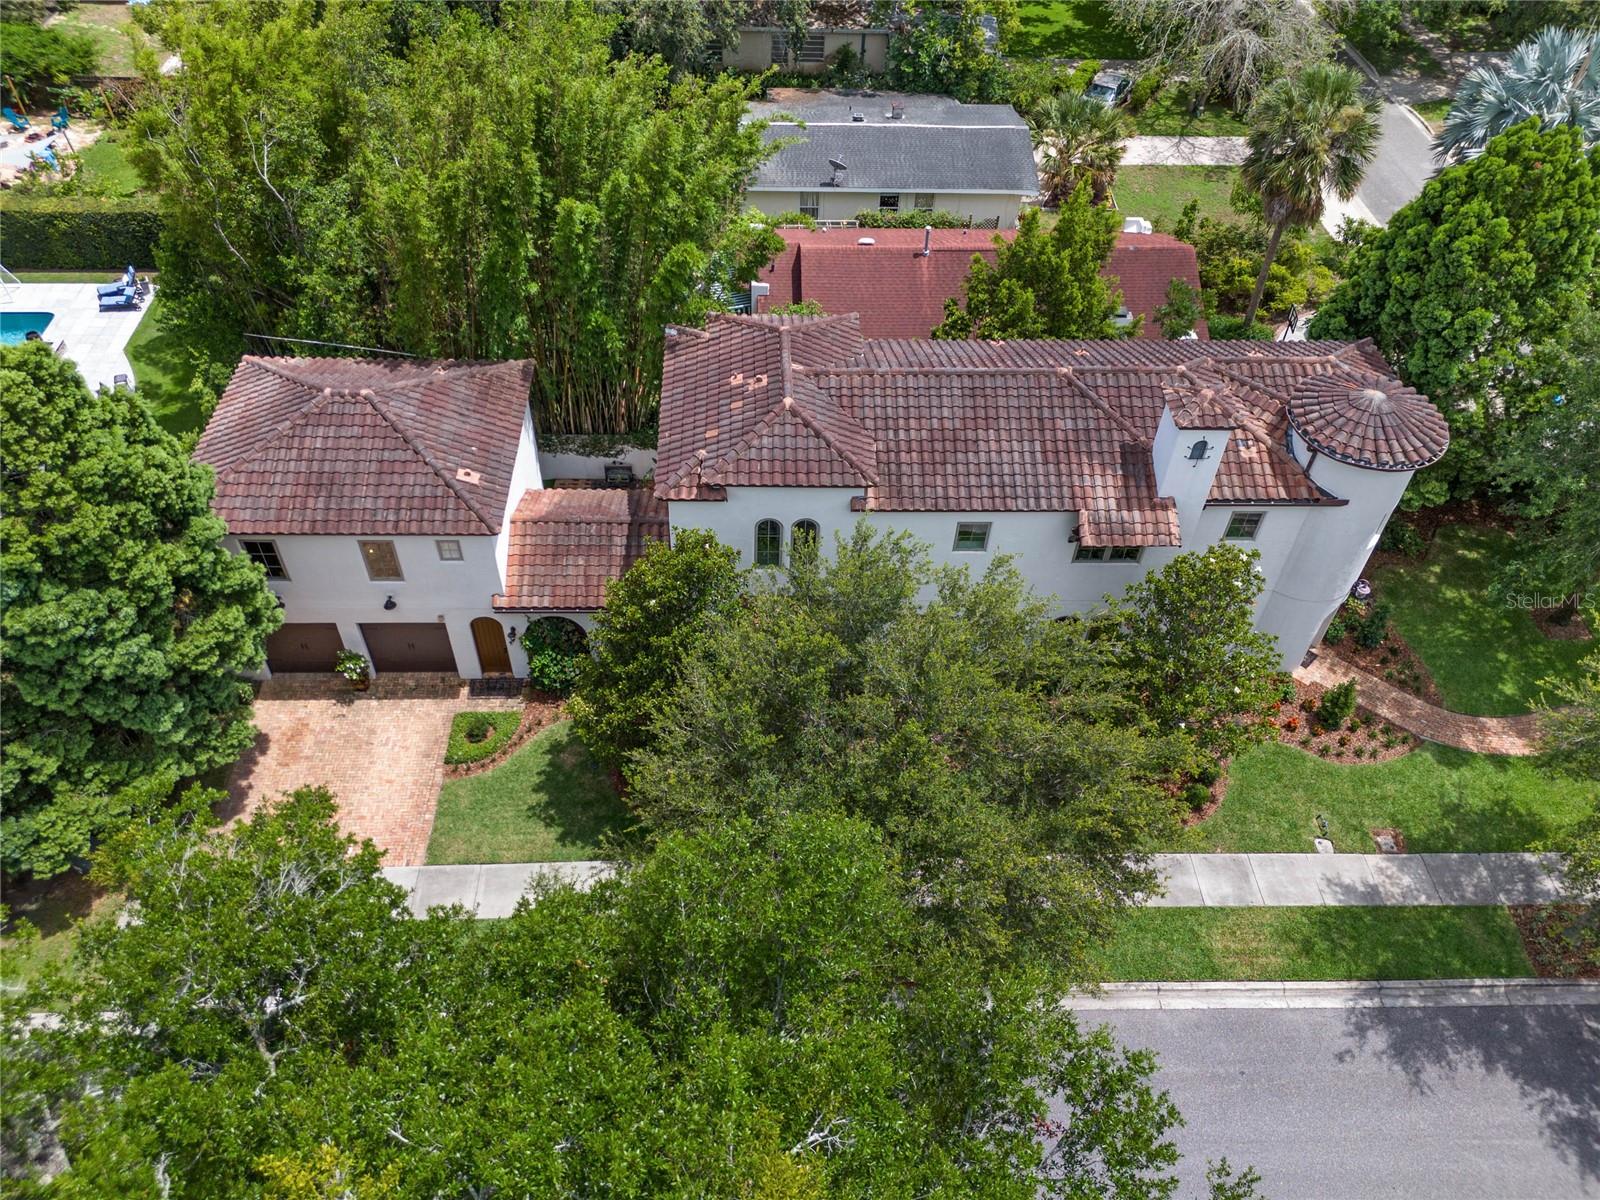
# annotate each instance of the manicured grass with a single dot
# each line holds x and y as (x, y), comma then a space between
(1315, 943)
(110, 27)
(548, 802)
(164, 367)
(1070, 29)
(1159, 193)
(1168, 116)
(1433, 112)
(1443, 801)
(1487, 656)
(54, 910)
(477, 735)
(106, 276)
(105, 166)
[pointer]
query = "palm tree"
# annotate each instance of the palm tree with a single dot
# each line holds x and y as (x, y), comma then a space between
(1311, 133)
(1080, 139)
(1554, 75)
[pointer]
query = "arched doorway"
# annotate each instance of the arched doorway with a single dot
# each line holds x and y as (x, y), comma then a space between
(489, 636)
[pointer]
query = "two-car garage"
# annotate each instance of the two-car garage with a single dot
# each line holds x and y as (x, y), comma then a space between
(393, 646)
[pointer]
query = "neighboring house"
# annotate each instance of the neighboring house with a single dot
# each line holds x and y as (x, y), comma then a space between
(758, 47)
(397, 508)
(899, 153)
(898, 280)
(1092, 462)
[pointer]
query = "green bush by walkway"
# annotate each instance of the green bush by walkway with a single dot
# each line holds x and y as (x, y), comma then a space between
(1315, 943)
(474, 736)
(1487, 656)
(1443, 800)
(548, 802)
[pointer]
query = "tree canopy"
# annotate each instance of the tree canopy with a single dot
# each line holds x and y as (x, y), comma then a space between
(126, 625)
(752, 1010)
(1003, 755)
(497, 186)
(1493, 257)
(1554, 76)
(1042, 284)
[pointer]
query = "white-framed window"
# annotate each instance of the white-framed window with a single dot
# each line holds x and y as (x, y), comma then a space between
(889, 202)
(769, 543)
(381, 559)
(971, 536)
(922, 201)
(1243, 526)
(265, 555)
(1116, 554)
(449, 549)
(810, 204)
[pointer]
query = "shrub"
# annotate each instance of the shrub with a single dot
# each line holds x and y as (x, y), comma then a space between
(475, 736)
(1082, 75)
(1196, 796)
(1337, 632)
(1402, 537)
(1144, 90)
(1286, 689)
(789, 218)
(79, 233)
(1344, 740)
(38, 59)
(1292, 724)
(1338, 704)
(353, 665)
(916, 218)
(1374, 626)
(1224, 328)
(1208, 774)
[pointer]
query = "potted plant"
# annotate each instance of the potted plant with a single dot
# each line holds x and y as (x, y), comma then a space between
(355, 668)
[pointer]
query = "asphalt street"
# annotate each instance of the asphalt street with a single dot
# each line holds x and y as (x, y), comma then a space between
(1497, 1103)
(1404, 163)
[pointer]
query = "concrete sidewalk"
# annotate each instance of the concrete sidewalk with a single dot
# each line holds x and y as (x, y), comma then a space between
(1338, 993)
(1190, 880)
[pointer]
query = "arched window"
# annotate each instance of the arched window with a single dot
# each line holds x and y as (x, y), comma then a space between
(769, 543)
(805, 536)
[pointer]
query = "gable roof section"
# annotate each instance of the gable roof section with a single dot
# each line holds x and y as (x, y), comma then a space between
(966, 426)
(568, 543)
(900, 293)
(366, 446)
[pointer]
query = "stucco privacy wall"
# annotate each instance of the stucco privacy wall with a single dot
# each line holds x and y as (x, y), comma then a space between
(842, 204)
(558, 465)
(328, 583)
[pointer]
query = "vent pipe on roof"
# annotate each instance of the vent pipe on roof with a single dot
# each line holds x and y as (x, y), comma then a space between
(866, 241)
(927, 240)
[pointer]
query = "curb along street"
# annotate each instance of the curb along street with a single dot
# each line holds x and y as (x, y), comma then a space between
(1386, 993)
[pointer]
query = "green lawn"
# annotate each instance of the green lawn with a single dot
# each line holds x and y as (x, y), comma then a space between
(548, 802)
(1443, 800)
(105, 166)
(1159, 193)
(1168, 116)
(54, 910)
(1315, 943)
(1433, 112)
(164, 366)
(1070, 29)
(1486, 656)
(106, 276)
(110, 27)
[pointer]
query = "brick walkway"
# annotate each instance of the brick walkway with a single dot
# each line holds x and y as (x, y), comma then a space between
(381, 753)
(1486, 735)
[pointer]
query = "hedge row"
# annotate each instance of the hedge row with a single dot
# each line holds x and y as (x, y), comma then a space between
(77, 233)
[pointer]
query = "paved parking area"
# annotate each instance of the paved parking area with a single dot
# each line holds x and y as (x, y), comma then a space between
(381, 753)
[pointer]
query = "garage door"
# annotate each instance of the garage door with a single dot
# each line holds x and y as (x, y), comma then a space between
(303, 647)
(402, 647)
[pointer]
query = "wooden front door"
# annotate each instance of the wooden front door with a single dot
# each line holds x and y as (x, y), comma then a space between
(490, 638)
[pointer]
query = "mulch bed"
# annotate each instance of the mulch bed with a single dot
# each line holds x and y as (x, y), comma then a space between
(540, 711)
(1366, 738)
(1392, 661)
(1552, 954)
(1561, 625)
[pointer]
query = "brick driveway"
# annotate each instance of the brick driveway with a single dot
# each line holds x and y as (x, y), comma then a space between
(381, 753)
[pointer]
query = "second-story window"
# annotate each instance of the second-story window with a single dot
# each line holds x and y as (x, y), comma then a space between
(449, 549)
(805, 536)
(923, 201)
(972, 536)
(1243, 526)
(381, 559)
(265, 555)
(810, 204)
(889, 202)
(769, 543)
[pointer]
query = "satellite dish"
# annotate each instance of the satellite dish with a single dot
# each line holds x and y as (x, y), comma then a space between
(837, 165)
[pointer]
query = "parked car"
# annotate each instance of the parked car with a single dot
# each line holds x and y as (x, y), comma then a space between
(1109, 87)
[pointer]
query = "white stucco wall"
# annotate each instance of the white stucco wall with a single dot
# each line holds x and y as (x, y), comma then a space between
(752, 50)
(593, 466)
(842, 204)
(525, 475)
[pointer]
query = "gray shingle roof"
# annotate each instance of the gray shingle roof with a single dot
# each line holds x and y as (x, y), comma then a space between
(938, 144)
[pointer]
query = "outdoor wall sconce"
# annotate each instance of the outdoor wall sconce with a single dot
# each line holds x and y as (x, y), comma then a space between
(511, 634)
(389, 605)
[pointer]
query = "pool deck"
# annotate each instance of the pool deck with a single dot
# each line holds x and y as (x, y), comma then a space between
(95, 340)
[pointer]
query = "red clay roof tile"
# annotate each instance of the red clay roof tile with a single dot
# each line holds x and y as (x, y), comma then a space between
(568, 543)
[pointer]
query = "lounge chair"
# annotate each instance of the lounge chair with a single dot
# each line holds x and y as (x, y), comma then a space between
(18, 121)
(62, 118)
(123, 298)
(128, 281)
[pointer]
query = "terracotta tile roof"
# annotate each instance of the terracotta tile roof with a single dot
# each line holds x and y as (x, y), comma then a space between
(1364, 418)
(366, 446)
(899, 293)
(568, 543)
(924, 425)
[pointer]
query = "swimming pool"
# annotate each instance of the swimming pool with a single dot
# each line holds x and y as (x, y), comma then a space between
(15, 326)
